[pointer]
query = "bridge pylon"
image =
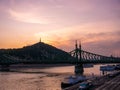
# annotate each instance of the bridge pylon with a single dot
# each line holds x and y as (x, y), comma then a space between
(78, 67)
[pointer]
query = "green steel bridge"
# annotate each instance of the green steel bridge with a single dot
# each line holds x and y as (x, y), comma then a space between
(77, 56)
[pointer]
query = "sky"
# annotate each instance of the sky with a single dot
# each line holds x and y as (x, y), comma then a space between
(96, 23)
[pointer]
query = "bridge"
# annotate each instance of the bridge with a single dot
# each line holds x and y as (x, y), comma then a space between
(78, 57)
(83, 57)
(88, 57)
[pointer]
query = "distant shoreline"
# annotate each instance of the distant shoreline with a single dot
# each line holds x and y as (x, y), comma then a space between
(38, 65)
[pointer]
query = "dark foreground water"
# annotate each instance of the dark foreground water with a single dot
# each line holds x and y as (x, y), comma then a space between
(39, 79)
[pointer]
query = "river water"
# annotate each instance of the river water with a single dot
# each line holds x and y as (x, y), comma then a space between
(39, 78)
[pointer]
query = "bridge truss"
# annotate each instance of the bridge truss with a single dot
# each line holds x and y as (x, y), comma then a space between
(88, 57)
(77, 56)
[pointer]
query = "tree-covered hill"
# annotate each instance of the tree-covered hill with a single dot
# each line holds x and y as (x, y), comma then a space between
(37, 53)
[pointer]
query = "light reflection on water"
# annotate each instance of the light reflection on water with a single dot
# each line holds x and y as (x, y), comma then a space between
(39, 79)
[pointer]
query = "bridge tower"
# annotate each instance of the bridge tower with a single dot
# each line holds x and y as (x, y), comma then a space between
(78, 67)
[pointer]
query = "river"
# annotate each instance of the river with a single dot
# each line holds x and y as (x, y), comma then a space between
(39, 78)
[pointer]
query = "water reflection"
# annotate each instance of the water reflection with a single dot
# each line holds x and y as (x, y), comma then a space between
(39, 79)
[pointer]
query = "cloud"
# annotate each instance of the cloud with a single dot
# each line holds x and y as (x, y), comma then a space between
(27, 17)
(104, 43)
(61, 22)
(62, 12)
(102, 36)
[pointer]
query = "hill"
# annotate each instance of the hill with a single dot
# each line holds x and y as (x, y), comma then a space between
(37, 53)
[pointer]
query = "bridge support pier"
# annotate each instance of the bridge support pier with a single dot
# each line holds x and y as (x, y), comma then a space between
(79, 69)
(5, 68)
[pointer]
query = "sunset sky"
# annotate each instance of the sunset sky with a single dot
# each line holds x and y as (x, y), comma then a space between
(96, 23)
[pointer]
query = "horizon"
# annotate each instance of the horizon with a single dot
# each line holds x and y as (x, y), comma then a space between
(57, 48)
(60, 22)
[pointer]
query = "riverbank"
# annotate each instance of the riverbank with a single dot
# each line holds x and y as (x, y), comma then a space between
(110, 84)
(107, 82)
(101, 82)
